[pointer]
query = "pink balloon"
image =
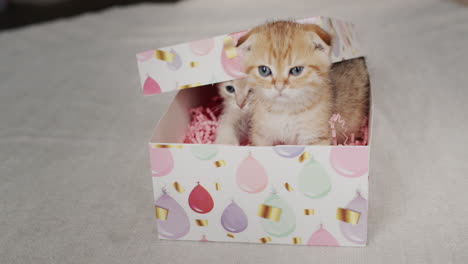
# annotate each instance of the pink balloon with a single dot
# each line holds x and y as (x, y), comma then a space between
(177, 224)
(162, 162)
(322, 237)
(202, 47)
(251, 175)
(233, 66)
(144, 56)
(151, 86)
(356, 233)
(350, 161)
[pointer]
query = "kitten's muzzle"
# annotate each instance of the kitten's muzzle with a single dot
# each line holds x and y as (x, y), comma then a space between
(241, 103)
(280, 87)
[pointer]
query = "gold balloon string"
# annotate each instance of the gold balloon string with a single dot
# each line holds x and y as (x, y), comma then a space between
(304, 156)
(178, 187)
(191, 85)
(164, 55)
(201, 222)
(265, 240)
(269, 212)
(296, 240)
(309, 211)
(165, 146)
(161, 213)
(347, 216)
(229, 47)
(219, 163)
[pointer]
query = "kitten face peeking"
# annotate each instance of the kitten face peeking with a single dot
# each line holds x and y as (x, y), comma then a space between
(233, 125)
(287, 61)
(235, 93)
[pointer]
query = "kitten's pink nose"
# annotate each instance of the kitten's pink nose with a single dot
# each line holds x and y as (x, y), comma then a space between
(241, 103)
(279, 88)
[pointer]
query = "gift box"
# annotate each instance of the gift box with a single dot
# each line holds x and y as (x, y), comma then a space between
(297, 195)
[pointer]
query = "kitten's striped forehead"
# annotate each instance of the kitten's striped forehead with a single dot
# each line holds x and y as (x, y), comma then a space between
(281, 46)
(284, 41)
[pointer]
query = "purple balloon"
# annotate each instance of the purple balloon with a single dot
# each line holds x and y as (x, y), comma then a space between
(177, 223)
(176, 63)
(288, 151)
(356, 233)
(234, 219)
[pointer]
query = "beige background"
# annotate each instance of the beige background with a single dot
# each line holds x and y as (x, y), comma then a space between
(75, 185)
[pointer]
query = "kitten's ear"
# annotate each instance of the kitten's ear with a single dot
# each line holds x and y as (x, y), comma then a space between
(243, 39)
(322, 40)
(245, 42)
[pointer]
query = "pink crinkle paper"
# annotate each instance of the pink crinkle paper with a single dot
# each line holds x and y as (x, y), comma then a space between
(204, 122)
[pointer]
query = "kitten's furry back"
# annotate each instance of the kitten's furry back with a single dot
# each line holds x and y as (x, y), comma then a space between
(350, 83)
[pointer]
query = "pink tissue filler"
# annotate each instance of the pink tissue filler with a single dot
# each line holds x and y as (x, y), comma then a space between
(204, 122)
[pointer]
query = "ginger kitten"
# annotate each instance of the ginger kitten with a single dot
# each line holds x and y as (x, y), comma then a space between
(233, 124)
(288, 64)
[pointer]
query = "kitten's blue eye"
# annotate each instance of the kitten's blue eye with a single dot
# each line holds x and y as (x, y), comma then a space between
(230, 89)
(264, 71)
(296, 70)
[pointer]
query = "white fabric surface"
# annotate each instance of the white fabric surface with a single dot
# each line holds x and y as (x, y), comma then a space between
(75, 181)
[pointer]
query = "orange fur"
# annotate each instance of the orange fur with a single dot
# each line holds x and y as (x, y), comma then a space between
(289, 109)
(350, 82)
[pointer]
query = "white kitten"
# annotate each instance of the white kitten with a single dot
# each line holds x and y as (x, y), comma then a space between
(233, 124)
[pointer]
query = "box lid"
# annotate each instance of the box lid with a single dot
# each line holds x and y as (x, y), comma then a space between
(214, 60)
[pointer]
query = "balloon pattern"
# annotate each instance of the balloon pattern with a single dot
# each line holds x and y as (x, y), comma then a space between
(151, 86)
(200, 200)
(288, 151)
(251, 176)
(162, 162)
(144, 56)
(322, 237)
(204, 152)
(202, 47)
(356, 233)
(234, 219)
(177, 224)
(344, 167)
(232, 66)
(287, 221)
(350, 162)
(314, 182)
(210, 53)
(176, 62)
